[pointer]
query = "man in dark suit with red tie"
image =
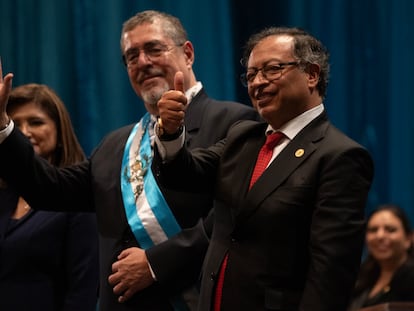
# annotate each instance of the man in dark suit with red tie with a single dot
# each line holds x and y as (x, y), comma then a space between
(292, 239)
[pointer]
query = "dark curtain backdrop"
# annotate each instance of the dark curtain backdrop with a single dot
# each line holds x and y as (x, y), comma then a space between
(73, 46)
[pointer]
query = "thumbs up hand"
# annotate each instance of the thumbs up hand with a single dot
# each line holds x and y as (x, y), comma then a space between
(172, 106)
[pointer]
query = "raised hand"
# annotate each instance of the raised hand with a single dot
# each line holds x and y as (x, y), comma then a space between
(172, 106)
(5, 88)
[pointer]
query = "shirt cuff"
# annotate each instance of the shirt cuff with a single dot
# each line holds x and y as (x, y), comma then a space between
(6, 131)
(168, 149)
(152, 272)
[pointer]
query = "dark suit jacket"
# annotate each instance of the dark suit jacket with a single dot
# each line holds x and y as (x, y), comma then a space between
(295, 239)
(95, 186)
(48, 260)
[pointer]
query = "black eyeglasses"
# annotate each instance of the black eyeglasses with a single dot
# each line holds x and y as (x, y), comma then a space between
(270, 72)
(151, 50)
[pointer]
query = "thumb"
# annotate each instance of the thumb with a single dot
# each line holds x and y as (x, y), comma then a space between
(179, 81)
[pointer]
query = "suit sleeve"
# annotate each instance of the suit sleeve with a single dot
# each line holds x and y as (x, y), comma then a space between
(186, 250)
(337, 230)
(43, 185)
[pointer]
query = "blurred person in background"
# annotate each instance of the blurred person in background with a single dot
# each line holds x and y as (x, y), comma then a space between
(48, 260)
(387, 273)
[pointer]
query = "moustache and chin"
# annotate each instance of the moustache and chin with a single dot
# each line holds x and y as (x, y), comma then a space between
(153, 94)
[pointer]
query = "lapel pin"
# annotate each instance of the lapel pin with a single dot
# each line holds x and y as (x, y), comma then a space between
(299, 153)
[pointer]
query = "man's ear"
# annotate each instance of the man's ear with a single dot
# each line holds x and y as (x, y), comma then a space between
(313, 71)
(189, 52)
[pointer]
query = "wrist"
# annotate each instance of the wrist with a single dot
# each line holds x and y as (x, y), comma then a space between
(162, 135)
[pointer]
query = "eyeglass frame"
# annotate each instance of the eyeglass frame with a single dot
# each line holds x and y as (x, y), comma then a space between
(152, 50)
(280, 66)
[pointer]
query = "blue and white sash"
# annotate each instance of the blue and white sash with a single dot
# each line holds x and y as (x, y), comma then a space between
(148, 214)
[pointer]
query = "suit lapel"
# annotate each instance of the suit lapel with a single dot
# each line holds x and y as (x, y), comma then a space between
(294, 154)
(194, 115)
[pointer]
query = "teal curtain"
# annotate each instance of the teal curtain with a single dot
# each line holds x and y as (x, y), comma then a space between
(73, 46)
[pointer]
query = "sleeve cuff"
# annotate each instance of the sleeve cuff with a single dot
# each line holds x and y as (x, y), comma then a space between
(4, 133)
(168, 149)
(152, 272)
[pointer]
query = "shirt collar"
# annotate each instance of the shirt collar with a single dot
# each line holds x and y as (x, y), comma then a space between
(193, 91)
(294, 126)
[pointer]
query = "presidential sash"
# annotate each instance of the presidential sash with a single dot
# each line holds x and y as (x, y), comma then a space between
(148, 214)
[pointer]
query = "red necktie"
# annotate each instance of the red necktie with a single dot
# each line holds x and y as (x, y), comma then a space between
(265, 154)
(219, 286)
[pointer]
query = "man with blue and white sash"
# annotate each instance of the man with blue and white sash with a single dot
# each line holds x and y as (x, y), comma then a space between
(143, 265)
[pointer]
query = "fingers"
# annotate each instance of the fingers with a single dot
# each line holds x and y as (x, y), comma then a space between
(7, 79)
(114, 278)
(115, 266)
(127, 295)
(123, 254)
(1, 71)
(130, 273)
(123, 288)
(5, 88)
(119, 287)
(126, 285)
(172, 106)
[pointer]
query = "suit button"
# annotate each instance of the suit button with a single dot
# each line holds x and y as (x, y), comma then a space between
(213, 276)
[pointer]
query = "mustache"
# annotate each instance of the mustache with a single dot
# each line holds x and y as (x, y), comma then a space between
(149, 72)
(259, 92)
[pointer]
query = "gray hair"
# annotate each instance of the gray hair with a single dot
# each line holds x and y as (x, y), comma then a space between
(172, 26)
